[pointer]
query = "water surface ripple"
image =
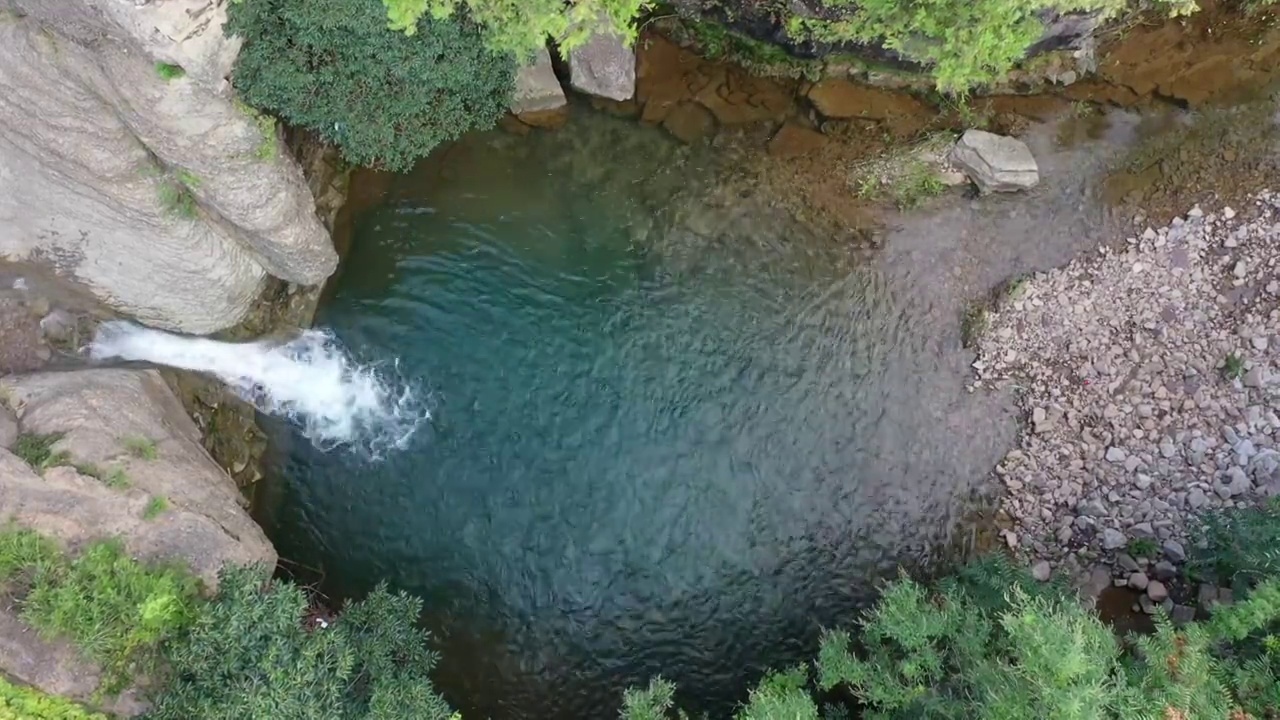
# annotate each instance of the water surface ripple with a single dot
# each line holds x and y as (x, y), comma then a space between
(668, 436)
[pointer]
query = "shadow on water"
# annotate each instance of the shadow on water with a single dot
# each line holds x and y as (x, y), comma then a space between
(668, 437)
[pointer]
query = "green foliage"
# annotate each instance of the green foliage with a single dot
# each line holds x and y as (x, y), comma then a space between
(156, 507)
(523, 27)
(169, 72)
(1241, 547)
(248, 655)
(1143, 548)
(268, 142)
(23, 550)
(1233, 367)
(384, 98)
(965, 42)
(115, 478)
(37, 451)
(21, 703)
(115, 609)
(917, 184)
(989, 642)
(175, 198)
(143, 448)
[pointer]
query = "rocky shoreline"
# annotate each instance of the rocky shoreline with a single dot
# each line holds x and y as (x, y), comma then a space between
(1149, 373)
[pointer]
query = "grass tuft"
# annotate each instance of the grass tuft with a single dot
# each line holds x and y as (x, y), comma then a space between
(1143, 548)
(169, 72)
(23, 549)
(37, 451)
(1233, 367)
(155, 507)
(973, 323)
(141, 447)
(115, 609)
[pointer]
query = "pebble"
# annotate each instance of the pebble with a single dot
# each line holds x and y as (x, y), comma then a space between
(1132, 425)
(1157, 591)
(1041, 571)
(1139, 581)
(1112, 539)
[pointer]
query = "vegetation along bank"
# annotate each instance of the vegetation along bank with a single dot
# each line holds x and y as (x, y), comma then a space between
(133, 583)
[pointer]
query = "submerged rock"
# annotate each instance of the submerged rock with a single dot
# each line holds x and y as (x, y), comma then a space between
(538, 99)
(995, 163)
(604, 66)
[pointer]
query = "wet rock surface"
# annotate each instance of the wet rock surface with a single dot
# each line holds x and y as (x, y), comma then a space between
(994, 162)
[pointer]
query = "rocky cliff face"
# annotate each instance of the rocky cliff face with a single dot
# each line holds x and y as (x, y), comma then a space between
(123, 441)
(127, 166)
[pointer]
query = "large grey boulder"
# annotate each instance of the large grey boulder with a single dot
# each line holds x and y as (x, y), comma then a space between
(96, 144)
(537, 88)
(995, 163)
(604, 66)
(103, 416)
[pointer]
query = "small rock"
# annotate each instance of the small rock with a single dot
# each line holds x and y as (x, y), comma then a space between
(1143, 530)
(1196, 499)
(1113, 539)
(1142, 481)
(58, 326)
(1238, 482)
(1115, 455)
(1133, 462)
(1011, 539)
(995, 163)
(1041, 571)
(1174, 551)
(1259, 342)
(1254, 378)
(1157, 591)
(1241, 269)
(1065, 534)
(1207, 596)
(1148, 605)
(1164, 570)
(1182, 614)
(8, 428)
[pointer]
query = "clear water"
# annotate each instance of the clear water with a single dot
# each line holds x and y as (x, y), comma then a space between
(669, 433)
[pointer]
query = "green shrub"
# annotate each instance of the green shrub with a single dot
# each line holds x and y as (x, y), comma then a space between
(37, 451)
(523, 27)
(249, 655)
(115, 609)
(965, 42)
(384, 98)
(991, 643)
(21, 703)
(23, 550)
(168, 72)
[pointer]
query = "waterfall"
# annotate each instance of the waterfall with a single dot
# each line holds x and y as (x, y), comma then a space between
(311, 379)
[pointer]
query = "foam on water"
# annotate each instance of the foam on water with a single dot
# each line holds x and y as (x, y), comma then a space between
(310, 379)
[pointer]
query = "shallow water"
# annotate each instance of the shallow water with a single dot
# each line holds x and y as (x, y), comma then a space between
(670, 434)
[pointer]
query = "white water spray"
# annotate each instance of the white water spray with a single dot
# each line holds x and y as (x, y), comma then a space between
(310, 379)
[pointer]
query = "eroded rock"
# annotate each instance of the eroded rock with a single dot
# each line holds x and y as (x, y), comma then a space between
(995, 163)
(118, 177)
(604, 66)
(103, 416)
(538, 99)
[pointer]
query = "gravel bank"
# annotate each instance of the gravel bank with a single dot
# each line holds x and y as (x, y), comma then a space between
(1150, 378)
